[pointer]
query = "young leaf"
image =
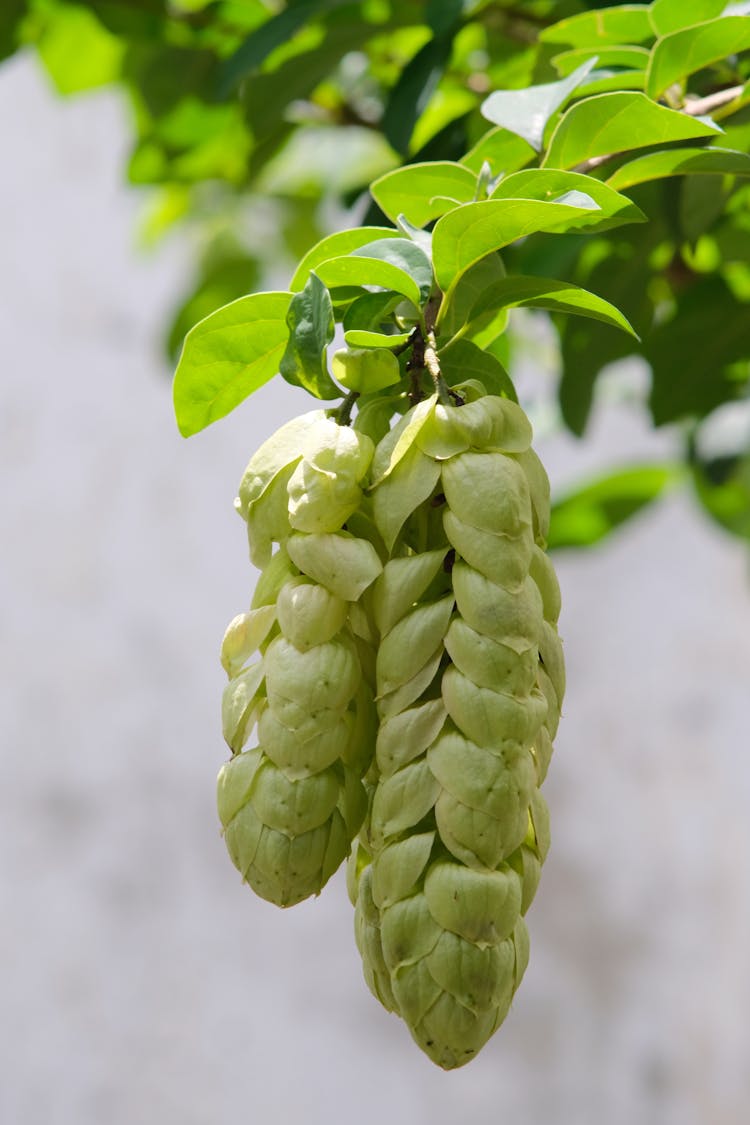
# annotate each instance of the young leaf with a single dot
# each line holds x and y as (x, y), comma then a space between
(589, 514)
(527, 111)
(461, 360)
(626, 23)
(681, 162)
(550, 184)
(423, 192)
(333, 246)
(310, 321)
(407, 255)
(609, 123)
(359, 271)
(227, 356)
(556, 296)
(683, 52)
(671, 15)
(356, 338)
(470, 232)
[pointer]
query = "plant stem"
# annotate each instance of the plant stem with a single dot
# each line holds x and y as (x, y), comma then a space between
(344, 412)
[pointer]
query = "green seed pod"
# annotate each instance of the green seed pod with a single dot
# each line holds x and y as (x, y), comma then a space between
(291, 806)
(469, 681)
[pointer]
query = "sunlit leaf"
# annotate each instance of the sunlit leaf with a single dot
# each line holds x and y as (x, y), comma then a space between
(681, 162)
(556, 296)
(626, 23)
(227, 356)
(551, 184)
(423, 192)
(334, 246)
(680, 54)
(671, 15)
(360, 271)
(589, 514)
(609, 123)
(527, 111)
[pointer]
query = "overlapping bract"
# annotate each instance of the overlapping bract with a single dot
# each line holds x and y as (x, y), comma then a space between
(291, 805)
(430, 591)
(469, 684)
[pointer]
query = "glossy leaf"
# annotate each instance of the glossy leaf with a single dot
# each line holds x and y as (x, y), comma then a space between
(607, 81)
(359, 271)
(555, 296)
(618, 122)
(671, 15)
(333, 246)
(311, 329)
(527, 111)
(625, 23)
(356, 338)
(227, 356)
(455, 311)
(551, 184)
(423, 192)
(679, 55)
(589, 514)
(467, 234)
(681, 162)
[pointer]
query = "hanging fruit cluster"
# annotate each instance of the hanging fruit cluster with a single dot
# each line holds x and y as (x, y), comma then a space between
(398, 681)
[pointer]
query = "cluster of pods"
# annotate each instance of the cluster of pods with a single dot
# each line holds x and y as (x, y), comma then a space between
(402, 675)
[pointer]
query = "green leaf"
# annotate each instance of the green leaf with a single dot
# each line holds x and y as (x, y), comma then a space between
(356, 338)
(681, 162)
(606, 81)
(629, 58)
(589, 514)
(461, 360)
(455, 312)
(423, 192)
(526, 112)
(722, 485)
(626, 23)
(609, 123)
(501, 149)
(10, 19)
(550, 184)
(683, 52)
(266, 38)
(470, 232)
(78, 53)
(442, 15)
(556, 296)
(690, 354)
(370, 311)
(334, 246)
(406, 255)
(223, 280)
(671, 15)
(410, 96)
(311, 330)
(227, 356)
(359, 272)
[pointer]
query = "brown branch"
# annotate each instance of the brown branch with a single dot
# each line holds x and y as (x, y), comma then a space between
(697, 107)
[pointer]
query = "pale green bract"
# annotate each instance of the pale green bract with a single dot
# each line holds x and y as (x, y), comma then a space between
(469, 681)
(291, 806)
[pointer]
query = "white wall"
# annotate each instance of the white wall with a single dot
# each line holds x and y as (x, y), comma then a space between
(141, 982)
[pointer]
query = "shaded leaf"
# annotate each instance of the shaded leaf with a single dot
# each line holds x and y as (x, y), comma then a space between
(461, 360)
(227, 356)
(527, 111)
(10, 19)
(416, 84)
(691, 353)
(626, 23)
(680, 54)
(311, 329)
(608, 123)
(628, 58)
(368, 312)
(722, 485)
(591, 513)
(406, 255)
(423, 192)
(455, 311)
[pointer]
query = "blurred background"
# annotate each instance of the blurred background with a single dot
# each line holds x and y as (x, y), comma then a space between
(141, 981)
